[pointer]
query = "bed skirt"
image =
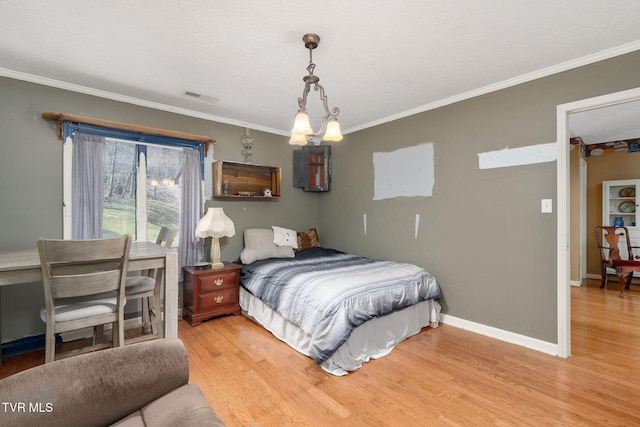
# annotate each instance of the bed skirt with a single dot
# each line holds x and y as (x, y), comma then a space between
(373, 339)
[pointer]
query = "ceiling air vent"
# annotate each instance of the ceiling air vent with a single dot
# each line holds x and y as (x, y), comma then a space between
(199, 96)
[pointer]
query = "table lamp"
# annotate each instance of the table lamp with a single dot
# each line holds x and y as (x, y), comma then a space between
(215, 224)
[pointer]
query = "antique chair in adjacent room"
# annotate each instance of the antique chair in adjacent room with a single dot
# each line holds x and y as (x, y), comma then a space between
(616, 253)
(143, 288)
(83, 287)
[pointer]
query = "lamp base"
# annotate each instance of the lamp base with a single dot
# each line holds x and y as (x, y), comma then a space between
(214, 256)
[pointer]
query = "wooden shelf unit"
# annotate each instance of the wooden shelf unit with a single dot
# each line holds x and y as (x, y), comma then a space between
(245, 180)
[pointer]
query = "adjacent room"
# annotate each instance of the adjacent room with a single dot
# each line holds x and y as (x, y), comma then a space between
(369, 213)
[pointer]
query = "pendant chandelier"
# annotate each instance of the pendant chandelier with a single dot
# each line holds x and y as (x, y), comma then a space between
(302, 133)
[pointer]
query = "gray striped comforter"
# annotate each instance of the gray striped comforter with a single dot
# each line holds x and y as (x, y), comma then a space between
(329, 293)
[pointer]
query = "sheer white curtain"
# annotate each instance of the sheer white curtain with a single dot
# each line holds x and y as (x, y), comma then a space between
(87, 191)
(190, 247)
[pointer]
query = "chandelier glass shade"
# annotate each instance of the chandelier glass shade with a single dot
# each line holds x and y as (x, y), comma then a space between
(302, 133)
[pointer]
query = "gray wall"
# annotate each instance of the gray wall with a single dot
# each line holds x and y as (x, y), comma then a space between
(31, 180)
(481, 233)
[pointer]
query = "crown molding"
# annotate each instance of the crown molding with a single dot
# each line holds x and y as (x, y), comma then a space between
(4, 72)
(565, 66)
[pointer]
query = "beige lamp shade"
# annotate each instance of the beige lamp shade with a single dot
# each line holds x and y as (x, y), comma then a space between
(215, 224)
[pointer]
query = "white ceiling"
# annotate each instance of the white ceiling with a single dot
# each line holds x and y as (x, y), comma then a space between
(378, 60)
(607, 124)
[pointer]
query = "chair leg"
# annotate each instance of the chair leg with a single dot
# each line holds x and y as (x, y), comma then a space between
(146, 315)
(114, 334)
(50, 346)
(98, 334)
(603, 273)
(622, 278)
(118, 333)
(153, 319)
(628, 283)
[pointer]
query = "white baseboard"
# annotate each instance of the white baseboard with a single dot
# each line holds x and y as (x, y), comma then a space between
(510, 337)
(612, 277)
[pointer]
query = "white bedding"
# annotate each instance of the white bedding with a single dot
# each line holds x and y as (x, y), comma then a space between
(373, 339)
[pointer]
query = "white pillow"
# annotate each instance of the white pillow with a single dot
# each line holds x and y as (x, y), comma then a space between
(258, 244)
(285, 237)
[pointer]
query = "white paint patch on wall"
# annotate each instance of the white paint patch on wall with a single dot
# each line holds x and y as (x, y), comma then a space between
(528, 155)
(404, 172)
(364, 223)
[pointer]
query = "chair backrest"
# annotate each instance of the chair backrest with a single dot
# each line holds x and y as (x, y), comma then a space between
(72, 268)
(613, 243)
(166, 236)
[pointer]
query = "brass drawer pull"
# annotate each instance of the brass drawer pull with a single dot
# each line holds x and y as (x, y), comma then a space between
(219, 299)
(219, 282)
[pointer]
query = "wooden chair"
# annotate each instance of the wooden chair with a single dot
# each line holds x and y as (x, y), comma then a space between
(616, 254)
(146, 288)
(83, 287)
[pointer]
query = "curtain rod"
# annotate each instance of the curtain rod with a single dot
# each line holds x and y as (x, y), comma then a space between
(76, 118)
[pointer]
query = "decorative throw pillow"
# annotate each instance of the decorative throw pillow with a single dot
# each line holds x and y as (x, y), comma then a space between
(308, 239)
(258, 244)
(285, 237)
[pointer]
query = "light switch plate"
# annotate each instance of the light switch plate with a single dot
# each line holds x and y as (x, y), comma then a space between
(547, 206)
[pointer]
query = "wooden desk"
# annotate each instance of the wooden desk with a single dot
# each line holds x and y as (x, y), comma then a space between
(24, 267)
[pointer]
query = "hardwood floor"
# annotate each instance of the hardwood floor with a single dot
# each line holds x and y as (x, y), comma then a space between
(443, 376)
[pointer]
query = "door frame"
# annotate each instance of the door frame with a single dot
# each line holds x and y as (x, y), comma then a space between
(583, 220)
(563, 239)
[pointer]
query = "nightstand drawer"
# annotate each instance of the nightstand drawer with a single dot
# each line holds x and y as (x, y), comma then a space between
(218, 282)
(224, 297)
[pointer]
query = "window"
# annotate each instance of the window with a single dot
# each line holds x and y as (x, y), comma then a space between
(142, 179)
(138, 200)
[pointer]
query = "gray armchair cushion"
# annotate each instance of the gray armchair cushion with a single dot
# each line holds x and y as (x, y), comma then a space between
(103, 387)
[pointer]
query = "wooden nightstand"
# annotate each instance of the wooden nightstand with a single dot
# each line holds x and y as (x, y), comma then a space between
(211, 292)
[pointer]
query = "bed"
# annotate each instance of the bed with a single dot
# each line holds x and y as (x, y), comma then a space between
(340, 309)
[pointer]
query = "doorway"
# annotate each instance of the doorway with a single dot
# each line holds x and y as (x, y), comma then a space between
(563, 193)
